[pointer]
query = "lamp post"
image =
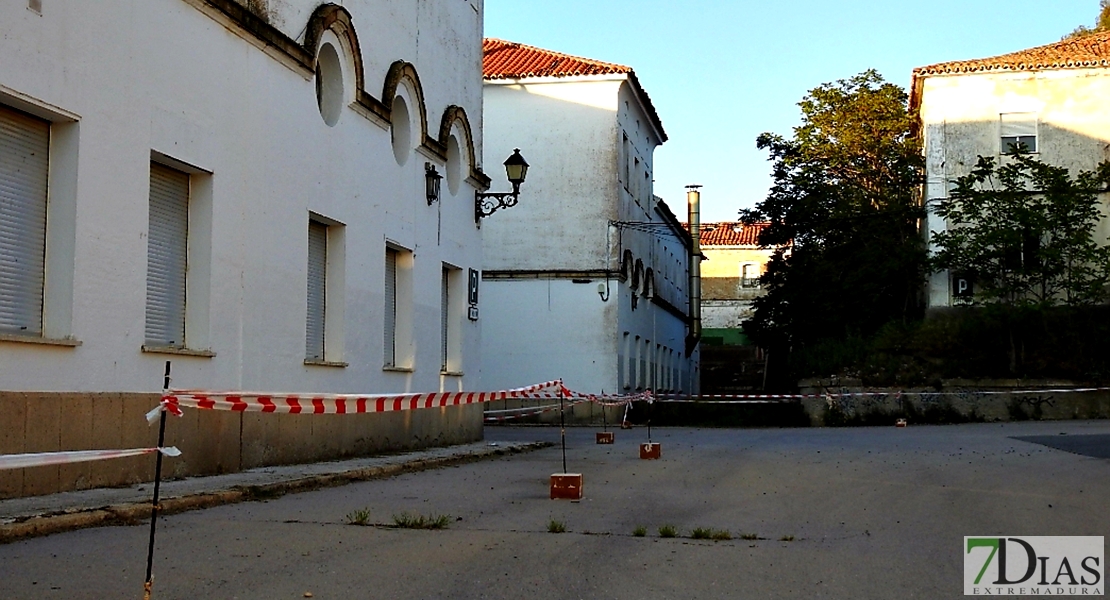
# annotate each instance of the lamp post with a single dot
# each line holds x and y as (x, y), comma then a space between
(486, 203)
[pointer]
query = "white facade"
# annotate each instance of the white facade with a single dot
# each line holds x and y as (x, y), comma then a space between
(223, 186)
(230, 99)
(586, 279)
(1048, 96)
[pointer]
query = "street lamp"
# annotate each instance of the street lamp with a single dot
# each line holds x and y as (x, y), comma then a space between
(485, 203)
(431, 182)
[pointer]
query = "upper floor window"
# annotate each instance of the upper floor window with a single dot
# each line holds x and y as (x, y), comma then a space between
(749, 275)
(1018, 131)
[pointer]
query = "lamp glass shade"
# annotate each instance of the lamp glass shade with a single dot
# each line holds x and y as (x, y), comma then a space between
(516, 168)
(431, 180)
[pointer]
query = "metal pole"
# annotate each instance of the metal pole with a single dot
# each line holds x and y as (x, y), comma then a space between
(148, 586)
(650, 411)
(563, 429)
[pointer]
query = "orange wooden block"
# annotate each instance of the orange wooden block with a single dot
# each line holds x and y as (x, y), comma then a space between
(605, 437)
(567, 486)
(651, 450)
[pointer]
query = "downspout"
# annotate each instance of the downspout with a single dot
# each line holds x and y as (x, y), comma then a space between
(693, 204)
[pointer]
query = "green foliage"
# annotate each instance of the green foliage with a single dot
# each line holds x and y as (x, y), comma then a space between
(749, 536)
(786, 538)
(843, 214)
(1024, 231)
(1103, 23)
(410, 521)
(721, 535)
(556, 527)
(359, 516)
(668, 531)
(640, 531)
(994, 341)
(701, 533)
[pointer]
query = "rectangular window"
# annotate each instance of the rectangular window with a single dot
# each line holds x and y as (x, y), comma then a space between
(390, 307)
(1018, 131)
(317, 290)
(445, 320)
(452, 311)
(749, 276)
(167, 257)
(24, 164)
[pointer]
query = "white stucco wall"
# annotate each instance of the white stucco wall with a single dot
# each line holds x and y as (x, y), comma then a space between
(960, 118)
(568, 334)
(162, 75)
(588, 198)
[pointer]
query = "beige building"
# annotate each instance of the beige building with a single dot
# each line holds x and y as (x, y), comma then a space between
(730, 278)
(1051, 98)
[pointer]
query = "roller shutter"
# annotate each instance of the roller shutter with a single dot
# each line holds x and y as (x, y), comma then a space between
(317, 285)
(24, 162)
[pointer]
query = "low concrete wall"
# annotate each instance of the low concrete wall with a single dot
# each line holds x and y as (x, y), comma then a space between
(586, 413)
(211, 442)
(957, 400)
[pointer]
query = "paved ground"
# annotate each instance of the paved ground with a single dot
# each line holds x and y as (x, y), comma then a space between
(874, 513)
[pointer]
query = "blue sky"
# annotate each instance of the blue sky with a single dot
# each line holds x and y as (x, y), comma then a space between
(720, 72)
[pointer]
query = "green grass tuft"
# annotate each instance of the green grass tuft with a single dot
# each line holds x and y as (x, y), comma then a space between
(668, 531)
(786, 538)
(359, 516)
(701, 533)
(749, 536)
(640, 531)
(409, 521)
(721, 535)
(556, 527)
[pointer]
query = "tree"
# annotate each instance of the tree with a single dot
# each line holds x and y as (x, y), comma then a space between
(843, 212)
(1103, 23)
(1024, 231)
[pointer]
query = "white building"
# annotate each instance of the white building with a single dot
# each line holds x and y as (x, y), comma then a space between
(1051, 98)
(241, 191)
(587, 277)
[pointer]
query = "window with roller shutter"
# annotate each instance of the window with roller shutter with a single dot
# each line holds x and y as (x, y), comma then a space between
(24, 168)
(167, 252)
(317, 290)
(390, 307)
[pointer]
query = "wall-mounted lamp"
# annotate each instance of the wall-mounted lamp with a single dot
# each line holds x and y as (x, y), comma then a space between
(431, 182)
(603, 291)
(485, 203)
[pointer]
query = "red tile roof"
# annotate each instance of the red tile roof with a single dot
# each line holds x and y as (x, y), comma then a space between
(1078, 53)
(510, 60)
(731, 234)
(503, 60)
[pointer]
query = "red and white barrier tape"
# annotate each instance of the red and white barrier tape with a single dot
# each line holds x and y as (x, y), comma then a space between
(329, 404)
(41, 459)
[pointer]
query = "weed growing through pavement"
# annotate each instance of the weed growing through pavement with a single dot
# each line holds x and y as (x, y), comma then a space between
(359, 516)
(668, 531)
(640, 531)
(786, 538)
(701, 533)
(409, 521)
(749, 536)
(721, 535)
(556, 527)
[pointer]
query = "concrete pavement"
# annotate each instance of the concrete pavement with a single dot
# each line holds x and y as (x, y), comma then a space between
(54, 513)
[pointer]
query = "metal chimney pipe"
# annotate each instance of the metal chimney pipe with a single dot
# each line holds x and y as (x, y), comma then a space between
(693, 204)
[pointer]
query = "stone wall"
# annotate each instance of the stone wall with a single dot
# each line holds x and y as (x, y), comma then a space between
(957, 400)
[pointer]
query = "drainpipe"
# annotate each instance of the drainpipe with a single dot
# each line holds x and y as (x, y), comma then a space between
(693, 203)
